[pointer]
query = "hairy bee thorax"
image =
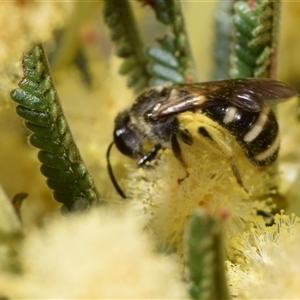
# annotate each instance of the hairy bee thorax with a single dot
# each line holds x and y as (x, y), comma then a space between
(157, 132)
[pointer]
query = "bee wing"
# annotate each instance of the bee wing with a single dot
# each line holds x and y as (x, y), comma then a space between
(250, 94)
(253, 93)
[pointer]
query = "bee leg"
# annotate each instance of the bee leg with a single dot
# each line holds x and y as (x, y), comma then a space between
(216, 141)
(237, 175)
(178, 154)
(176, 149)
(148, 156)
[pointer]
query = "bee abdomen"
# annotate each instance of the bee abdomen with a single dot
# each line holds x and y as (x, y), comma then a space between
(256, 132)
(263, 140)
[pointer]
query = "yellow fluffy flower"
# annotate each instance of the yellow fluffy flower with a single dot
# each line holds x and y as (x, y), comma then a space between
(97, 255)
(266, 264)
(166, 193)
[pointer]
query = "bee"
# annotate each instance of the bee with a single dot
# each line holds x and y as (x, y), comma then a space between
(168, 114)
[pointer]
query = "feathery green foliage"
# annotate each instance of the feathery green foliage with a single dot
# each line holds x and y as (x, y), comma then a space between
(168, 62)
(255, 39)
(62, 164)
(205, 258)
(129, 46)
(222, 39)
(172, 60)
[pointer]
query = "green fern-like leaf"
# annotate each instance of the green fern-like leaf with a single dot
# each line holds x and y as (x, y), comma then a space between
(222, 43)
(40, 107)
(129, 46)
(164, 66)
(168, 62)
(172, 60)
(205, 258)
(255, 38)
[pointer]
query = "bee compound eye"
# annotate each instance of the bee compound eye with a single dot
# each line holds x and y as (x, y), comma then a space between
(128, 141)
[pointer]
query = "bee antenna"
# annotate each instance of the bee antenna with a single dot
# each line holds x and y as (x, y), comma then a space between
(111, 173)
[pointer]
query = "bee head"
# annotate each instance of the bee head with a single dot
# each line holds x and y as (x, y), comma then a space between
(127, 139)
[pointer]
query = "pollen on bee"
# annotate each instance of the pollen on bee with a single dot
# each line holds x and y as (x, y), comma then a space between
(167, 202)
(142, 172)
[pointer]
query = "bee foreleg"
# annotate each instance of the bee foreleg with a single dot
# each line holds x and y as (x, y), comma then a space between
(148, 156)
